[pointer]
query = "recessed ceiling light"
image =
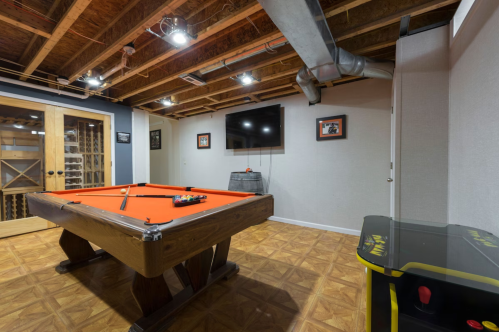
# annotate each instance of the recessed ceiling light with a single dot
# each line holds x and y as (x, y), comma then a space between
(266, 129)
(247, 124)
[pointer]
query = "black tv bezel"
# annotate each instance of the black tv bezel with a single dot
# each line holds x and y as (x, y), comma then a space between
(278, 106)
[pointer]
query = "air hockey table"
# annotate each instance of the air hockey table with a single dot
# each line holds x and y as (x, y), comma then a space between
(426, 276)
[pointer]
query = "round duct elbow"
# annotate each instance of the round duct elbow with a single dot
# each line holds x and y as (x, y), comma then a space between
(357, 65)
(305, 80)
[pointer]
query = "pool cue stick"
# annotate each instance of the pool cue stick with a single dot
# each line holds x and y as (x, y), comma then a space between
(121, 195)
(124, 200)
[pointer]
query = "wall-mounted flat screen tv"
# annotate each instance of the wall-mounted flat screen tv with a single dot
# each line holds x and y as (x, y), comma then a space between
(257, 128)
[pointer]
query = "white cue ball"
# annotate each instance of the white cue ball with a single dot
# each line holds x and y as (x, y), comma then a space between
(123, 191)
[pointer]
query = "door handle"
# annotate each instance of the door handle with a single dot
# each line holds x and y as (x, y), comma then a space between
(389, 180)
(50, 172)
(60, 172)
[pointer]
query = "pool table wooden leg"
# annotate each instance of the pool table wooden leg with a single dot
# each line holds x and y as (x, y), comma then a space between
(78, 250)
(150, 293)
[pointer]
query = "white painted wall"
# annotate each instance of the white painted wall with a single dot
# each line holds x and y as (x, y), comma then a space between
(332, 184)
(165, 163)
(474, 120)
(422, 114)
(140, 146)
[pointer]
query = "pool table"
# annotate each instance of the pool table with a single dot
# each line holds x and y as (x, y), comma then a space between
(151, 235)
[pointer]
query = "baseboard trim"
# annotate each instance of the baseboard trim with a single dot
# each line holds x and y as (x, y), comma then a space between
(317, 226)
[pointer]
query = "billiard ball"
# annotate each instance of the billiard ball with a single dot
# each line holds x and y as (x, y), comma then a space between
(123, 191)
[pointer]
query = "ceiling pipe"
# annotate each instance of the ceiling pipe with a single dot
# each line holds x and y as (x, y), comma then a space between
(44, 88)
(267, 47)
(304, 25)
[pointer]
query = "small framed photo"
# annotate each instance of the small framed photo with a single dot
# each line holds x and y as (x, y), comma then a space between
(122, 137)
(204, 141)
(333, 127)
(155, 139)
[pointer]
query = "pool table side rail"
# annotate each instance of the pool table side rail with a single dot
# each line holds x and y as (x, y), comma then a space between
(181, 239)
(190, 235)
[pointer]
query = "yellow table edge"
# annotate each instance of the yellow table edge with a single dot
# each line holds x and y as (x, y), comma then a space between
(431, 268)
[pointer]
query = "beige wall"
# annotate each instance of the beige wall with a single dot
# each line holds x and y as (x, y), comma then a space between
(421, 109)
(474, 120)
(165, 162)
(329, 184)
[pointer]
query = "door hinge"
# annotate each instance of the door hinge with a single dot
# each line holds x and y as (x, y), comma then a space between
(392, 109)
(111, 163)
(391, 165)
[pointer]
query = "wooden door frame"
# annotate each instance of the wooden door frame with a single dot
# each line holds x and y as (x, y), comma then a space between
(60, 112)
(73, 107)
(50, 110)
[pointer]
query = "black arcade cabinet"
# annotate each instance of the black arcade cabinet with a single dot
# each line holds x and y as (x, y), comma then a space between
(429, 277)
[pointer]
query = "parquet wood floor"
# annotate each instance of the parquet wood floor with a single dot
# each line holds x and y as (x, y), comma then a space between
(292, 279)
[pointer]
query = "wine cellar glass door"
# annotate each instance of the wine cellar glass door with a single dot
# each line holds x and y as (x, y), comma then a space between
(26, 158)
(83, 147)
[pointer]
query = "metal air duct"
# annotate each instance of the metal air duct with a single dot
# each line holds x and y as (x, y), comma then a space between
(303, 23)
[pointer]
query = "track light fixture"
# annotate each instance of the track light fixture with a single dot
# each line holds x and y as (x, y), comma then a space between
(166, 102)
(93, 79)
(246, 78)
(174, 31)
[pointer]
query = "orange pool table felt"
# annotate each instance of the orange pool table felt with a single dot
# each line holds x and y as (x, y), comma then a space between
(158, 210)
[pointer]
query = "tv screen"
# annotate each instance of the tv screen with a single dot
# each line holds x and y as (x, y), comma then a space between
(258, 128)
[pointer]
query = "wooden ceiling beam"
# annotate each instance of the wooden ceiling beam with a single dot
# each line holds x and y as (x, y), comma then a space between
(142, 16)
(279, 94)
(254, 98)
(201, 36)
(197, 96)
(99, 34)
(274, 35)
(21, 19)
(23, 59)
(394, 18)
(238, 96)
(263, 63)
(343, 7)
(205, 34)
(62, 27)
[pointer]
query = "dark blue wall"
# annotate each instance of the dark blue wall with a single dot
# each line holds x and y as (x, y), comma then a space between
(122, 122)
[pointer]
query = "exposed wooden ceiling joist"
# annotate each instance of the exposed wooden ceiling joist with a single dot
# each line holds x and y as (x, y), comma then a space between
(61, 28)
(394, 18)
(142, 16)
(269, 37)
(21, 19)
(277, 58)
(343, 7)
(115, 20)
(23, 59)
(202, 35)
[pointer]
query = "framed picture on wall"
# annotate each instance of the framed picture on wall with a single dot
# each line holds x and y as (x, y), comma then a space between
(204, 141)
(333, 127)
(122, 137)
(155, 139)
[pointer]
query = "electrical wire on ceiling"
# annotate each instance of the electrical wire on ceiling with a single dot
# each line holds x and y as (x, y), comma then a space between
(35, 13)
(209, 18)
(59, 85)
